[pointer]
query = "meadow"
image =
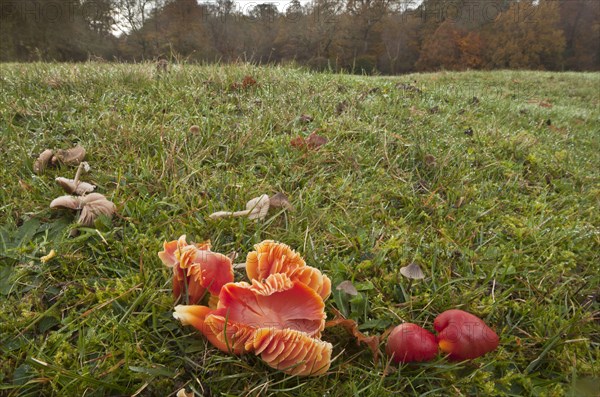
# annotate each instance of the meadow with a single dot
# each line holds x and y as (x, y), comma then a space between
(489, 181)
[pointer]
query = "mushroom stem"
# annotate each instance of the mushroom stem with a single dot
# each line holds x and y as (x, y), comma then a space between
(78, 174)
(226, 214)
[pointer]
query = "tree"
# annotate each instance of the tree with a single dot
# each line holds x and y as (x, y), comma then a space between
(526, 36)
(580, 22)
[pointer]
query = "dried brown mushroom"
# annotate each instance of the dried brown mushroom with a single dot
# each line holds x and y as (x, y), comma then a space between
(92, 206)
(43, 161)
(72, 156)
(412, 271)
(280, 200)
(75, 186)
(257, 208)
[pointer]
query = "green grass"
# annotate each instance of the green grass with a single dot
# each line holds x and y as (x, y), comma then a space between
(505, 223)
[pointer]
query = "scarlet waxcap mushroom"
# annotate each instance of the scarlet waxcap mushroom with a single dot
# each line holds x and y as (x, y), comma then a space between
(271, 257)
(464, 336)
(196, 269)
(410, 343)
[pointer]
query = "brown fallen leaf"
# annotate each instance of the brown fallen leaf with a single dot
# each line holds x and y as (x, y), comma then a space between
(248, 81)
(24, 185)
(430, 160)
(341, 107)
(315, 141)
(298, 142)
(352, 327)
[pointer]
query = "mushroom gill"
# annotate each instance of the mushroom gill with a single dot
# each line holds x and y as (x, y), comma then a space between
(271, 257)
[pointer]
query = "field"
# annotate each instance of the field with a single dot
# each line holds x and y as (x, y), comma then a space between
(489, 181)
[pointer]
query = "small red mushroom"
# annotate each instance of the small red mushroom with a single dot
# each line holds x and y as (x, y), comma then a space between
(464, 336)
(410, 343)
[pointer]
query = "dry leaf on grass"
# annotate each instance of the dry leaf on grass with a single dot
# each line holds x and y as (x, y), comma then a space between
(352, 327)
(248, 81)
(314, 141)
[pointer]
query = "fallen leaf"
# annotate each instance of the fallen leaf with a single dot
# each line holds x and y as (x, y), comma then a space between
(24, 185)
(430, 160)
(347, 287)
(298, 142)
(352, 327)
(341, 107)
(315, 141)
(248, 81)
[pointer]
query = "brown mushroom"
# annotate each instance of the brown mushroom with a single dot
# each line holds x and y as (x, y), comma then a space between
(72, 156)
(43, 161)
(92, 206)
(257, 208)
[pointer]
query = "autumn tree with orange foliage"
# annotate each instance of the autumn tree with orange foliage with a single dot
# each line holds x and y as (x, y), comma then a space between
(526, 36)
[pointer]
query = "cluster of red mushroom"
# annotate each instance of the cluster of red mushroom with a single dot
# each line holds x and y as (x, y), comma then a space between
(278, 316)
(461, 335)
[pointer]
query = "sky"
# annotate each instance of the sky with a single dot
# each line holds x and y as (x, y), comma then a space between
(282, 5)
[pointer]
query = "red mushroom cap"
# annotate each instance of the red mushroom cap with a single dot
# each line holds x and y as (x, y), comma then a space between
(464, 336)
(410, 343)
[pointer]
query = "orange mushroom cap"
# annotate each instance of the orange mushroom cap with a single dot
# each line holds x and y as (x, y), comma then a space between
(196, 269)
(278, 319)
(271, 257)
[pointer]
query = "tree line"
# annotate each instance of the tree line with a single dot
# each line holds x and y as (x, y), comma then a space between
(360, 36)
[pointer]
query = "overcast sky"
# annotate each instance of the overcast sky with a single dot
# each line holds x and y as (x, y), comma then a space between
(282, 5)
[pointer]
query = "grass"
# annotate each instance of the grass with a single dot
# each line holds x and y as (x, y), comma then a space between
(504, 221)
